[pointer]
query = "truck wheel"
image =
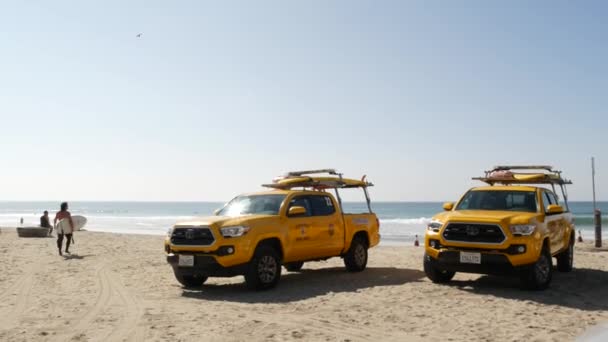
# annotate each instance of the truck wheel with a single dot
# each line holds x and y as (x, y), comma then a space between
(435, 274)
(294, 266)
(355, 259)
(264, 270)
(565, 259)
(190, 280)
(538, 276)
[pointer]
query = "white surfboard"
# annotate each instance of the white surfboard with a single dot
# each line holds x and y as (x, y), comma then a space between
(64, 227)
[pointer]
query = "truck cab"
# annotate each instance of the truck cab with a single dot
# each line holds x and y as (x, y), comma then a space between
(514, 225)
(298, 220)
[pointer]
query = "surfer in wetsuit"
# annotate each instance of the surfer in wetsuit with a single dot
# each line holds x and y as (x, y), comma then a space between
(62, 230)
(45, 223)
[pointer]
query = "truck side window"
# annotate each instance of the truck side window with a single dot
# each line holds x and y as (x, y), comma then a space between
(547, 200)
(301, 201)
(322, 206)
(553, 198)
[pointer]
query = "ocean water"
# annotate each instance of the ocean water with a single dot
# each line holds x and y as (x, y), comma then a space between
(400, 222)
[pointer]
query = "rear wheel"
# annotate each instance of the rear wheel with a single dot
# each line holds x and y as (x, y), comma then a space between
(294, 266)
(190, 280)
(435, 274)
(264, 269)
(355, 259)
(538, 276)
(565, 259)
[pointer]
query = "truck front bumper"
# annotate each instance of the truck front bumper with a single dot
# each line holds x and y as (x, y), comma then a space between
(491, 263)
(205, 265)
(513, 255)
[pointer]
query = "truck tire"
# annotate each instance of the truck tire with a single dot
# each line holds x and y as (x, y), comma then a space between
(294, 266)
(435, 274)
(565, 259)
(355, 259)
(538, 276)
(264, 270)
(190, 281)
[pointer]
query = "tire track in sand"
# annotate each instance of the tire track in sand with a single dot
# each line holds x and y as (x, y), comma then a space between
(129, 328)
(17, 285)
(22, 288)
(306, 322)
(111, 291)
(101, 303)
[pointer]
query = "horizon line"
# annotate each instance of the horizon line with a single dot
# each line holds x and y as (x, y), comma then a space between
(224, 201)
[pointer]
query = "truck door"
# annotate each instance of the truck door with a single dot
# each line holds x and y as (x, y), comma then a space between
(556, 223)
(301, 232)
(328, 225)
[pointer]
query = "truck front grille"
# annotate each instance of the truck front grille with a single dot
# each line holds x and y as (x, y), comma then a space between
(474, 232)
(192, 236)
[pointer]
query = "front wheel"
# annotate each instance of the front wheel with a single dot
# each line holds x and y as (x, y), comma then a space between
(538, 276)
(190, 280)
(264, 269)
(435, 274)
(565, 259)
(355, 259)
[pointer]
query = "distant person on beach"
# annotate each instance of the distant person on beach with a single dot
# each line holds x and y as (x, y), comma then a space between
(61, 230)
(45, 222)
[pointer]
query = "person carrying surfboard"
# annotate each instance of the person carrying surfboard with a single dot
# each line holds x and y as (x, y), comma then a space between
(64, 229)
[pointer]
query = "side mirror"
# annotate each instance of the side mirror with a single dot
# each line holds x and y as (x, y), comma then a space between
(296, 211)
(216, 211)
(555, 209)
(448, 206)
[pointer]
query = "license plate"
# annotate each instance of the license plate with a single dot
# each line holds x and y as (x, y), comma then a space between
(186, 260)
(470, 258)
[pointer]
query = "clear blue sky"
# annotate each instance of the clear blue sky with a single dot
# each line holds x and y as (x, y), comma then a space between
(216, 98)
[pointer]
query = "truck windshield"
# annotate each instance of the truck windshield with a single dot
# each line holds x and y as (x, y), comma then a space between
(253, 205)
(499, 200)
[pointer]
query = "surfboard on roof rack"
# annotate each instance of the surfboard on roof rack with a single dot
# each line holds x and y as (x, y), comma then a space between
(537, 174)
(303, 179)
(317, 183)
(329, 179)
(311, 172)
(523, 167)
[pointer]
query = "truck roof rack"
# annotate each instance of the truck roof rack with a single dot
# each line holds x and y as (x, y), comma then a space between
(504, 174)
(303, 179)
(522, 167)
(311, 172)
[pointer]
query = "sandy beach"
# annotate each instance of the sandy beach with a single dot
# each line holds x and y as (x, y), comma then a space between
(117, 287)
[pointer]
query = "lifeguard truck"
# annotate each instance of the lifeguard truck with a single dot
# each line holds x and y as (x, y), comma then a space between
(514, 225)
(298, 220)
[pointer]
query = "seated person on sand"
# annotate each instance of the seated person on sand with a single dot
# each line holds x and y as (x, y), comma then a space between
(45, 222)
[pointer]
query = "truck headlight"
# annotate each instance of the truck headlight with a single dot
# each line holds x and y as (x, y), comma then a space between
(434, 226)
(234, 231)
(522, 229)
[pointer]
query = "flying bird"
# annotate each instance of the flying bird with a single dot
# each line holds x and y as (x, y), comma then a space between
(139, 35)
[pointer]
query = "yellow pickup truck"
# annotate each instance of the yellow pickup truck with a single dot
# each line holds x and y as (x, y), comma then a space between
(516, 224)
(297, 221)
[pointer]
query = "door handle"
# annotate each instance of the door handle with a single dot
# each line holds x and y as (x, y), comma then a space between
(302, 228)
(331, 229)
